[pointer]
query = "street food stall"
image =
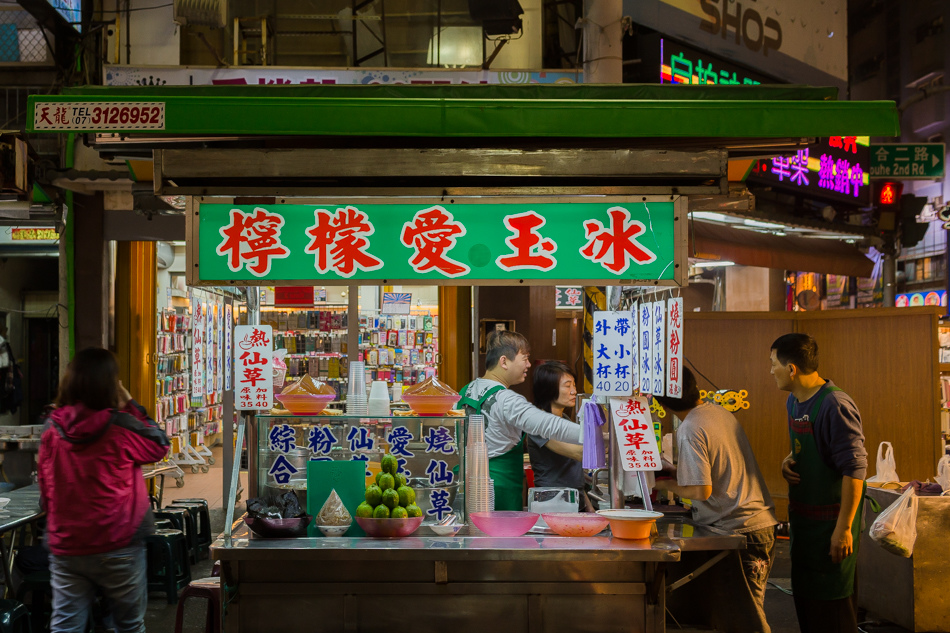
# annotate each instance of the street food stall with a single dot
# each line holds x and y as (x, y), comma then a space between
(448, 186)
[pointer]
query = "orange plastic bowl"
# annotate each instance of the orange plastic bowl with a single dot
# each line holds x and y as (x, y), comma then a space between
(431, 405)
(631, 524)
(305, 404)
(575, 523)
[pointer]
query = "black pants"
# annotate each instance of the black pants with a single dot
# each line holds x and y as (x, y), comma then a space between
(828, 616)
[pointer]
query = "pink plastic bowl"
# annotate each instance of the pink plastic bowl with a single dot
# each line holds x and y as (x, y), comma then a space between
(388, 528)
(504, 523)
(431, 405)
(305, 404)
(575, 523)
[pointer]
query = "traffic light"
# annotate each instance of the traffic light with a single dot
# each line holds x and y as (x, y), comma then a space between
(912, 231)
(887, 199)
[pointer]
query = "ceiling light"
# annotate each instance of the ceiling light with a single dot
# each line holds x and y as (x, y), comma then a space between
(709, 215)
(712, 264)
(763, 225)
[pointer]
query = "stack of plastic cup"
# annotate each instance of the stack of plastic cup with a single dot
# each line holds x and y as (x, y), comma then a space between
(477, 481)
(356, 401)
(378, 404)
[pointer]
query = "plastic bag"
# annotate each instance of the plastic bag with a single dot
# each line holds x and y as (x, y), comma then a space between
(943, 473)
(896, 527)
(886, 470)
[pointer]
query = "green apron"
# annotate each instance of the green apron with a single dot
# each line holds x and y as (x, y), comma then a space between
(813, 506)
(507, 469)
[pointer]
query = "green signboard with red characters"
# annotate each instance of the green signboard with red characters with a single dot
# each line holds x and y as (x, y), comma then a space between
(597, 241)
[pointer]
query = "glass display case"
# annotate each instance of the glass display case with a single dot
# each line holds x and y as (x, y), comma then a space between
(430, 452)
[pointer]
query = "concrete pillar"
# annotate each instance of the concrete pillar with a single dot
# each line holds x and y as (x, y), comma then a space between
(603, 49)
(890, 279)
(90, 272)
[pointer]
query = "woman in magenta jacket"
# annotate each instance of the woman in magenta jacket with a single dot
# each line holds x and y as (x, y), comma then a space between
(91, 487)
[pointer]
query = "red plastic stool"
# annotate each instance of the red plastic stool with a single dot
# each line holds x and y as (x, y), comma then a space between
(210, 589)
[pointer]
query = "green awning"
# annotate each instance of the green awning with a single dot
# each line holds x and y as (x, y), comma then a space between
(489, 111)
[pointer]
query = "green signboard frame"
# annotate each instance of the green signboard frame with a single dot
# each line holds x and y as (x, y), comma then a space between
(596, 240)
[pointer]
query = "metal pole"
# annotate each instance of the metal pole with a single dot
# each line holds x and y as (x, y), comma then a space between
(614, 464)
(890, 274)
(247, 417)
(353, 325)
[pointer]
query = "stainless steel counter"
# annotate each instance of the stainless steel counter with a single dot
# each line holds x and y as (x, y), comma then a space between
(466, 583)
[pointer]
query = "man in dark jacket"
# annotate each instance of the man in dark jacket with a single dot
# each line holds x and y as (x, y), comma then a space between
(92, 489)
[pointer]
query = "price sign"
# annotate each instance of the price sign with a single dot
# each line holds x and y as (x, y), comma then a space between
(674, 348)
(658, 347)
(253, 376)
(634, 431)
(228, 334)
(614, 361)
(646, 354)
(93, 116)
(197, 351)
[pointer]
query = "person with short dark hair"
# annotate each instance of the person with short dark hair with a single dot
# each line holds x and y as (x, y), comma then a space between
(508, 415)
(556, 464)
(91, 487)
(825, 471)
(718, 472)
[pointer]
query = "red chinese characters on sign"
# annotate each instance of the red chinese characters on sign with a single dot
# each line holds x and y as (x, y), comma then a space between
(431, 234)
(530, 251)
(614, 246)
(636, 439)
(340, 242)
(252, 240)
(847, 143)
(254, 379)
(674, 348)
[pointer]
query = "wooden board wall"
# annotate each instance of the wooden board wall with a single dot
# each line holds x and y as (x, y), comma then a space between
(884, 358)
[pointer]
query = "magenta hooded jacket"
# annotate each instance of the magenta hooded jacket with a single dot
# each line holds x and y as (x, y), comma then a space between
(90, 477)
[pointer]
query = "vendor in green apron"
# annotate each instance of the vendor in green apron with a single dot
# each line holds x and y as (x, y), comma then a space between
(508, 415)
(825, 471)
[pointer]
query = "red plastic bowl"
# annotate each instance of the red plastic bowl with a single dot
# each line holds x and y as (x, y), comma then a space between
(631, 524)
(305, 404)
(389, 528)
(575, 523)
(505, 523)
(431, 405)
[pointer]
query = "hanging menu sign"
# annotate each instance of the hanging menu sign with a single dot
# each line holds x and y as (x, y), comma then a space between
(228, 334)
(634, 431)
(674, 348)
(210, 356)
(614, 362)
(253, 376)
(646, 354)
(197, 352)
(219, 345)
(658, 347)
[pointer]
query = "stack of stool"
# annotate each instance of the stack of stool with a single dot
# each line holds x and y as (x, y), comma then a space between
(209, 588)
(199, 510)
(183, 520)
(168, 562)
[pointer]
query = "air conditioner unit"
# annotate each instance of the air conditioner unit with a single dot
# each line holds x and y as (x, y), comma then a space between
(213, 13)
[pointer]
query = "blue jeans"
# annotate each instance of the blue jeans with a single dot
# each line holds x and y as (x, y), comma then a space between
(119, 575)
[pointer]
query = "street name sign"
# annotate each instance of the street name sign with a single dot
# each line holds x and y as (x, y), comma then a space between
(908, 161)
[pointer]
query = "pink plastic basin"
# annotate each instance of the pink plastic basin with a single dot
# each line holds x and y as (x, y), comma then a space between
(305, 404)
(389, 528)
(431, 405)
(504, 523)
(575, 523)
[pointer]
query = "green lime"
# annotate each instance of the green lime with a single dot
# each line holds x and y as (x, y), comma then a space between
(374, 494)
(407, 496)
(390, 498)
(400, 480)
(389, 464)
(399, 512)
(381, 512)
(378, 475)
(413, 510)
(387, 482)
(364, 510)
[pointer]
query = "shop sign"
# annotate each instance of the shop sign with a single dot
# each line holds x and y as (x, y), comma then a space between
(614, 353)
(21, 234)
(293, 296)
(684, 65)
(834, 168)
(923, 298)
(253, 376)
(658, 347)
(228, 342)
(921, 161)
(469, 243)
(95, 116)
(221, 368)
(674, 348)
(568, 297)
(260, 76)
(210, 347)
(634, 430)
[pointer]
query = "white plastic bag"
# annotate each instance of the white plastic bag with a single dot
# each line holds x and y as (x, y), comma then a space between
(896, 527)
(886, 470)
(943, 473)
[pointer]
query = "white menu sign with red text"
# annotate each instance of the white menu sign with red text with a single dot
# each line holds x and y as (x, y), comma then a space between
(633, 428)
(253, 376)
(674, 348)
